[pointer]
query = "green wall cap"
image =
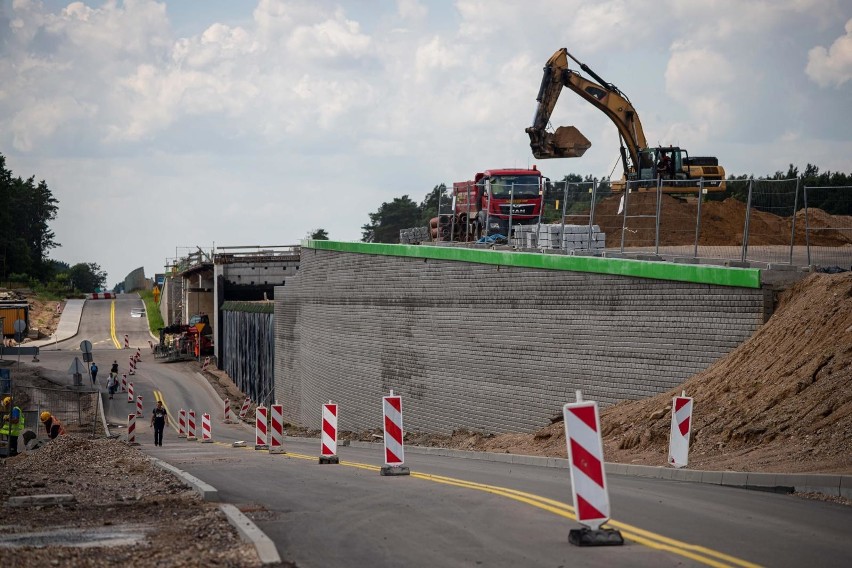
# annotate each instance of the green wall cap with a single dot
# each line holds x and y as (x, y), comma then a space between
(696, 273)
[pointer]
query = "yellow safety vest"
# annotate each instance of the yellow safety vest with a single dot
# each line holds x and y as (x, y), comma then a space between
(16, 428)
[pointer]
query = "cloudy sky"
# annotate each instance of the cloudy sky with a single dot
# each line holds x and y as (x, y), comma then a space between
(162, 126)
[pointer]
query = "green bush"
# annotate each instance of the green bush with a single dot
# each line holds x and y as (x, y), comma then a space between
(155, 320)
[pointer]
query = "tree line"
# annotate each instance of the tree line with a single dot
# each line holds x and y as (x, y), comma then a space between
(403, 213)
(26, 210)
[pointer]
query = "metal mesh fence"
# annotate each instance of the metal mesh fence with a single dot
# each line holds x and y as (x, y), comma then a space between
(771, 222)
(77, 410)
(827, 226)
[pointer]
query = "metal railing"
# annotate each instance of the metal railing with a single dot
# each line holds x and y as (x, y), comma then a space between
(76, 409)
(765, 222)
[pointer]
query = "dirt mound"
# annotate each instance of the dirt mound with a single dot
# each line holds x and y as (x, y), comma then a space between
(722, 223)
(780, 402)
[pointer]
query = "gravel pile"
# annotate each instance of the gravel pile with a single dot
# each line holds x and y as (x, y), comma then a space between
(132, 512)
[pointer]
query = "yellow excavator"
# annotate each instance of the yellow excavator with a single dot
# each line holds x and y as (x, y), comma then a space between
(672, 166)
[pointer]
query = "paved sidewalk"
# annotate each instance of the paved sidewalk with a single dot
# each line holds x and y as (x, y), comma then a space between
(69, 323)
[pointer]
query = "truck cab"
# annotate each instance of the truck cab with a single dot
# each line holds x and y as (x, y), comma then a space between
(506, 197)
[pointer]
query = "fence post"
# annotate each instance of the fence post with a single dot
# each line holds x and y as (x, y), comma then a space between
(747, 220)
(511, 207)
(807, 226)
(624, 212)
(594, 193)
(657, 220)
(793, 223)
(698, 217)
(488, 206)
(467, 215)
(453, 218)
(564, 209)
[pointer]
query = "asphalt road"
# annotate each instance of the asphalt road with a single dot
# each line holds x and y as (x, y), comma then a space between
(450, 511)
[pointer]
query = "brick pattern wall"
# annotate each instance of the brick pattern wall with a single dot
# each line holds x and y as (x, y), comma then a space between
(488, 348)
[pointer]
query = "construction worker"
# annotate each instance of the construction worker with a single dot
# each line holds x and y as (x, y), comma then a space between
(13, 425)
(52, 425)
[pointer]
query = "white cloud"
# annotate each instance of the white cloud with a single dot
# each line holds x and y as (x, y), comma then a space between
(700, 80)
(435, 55)
(411, 10)
(332, 38)
(832, 66)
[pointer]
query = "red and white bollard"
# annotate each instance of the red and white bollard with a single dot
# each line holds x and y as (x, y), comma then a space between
(681, 430)
(276, 429)
(260, 429)
(130, 398)
(124, 383)
(245, 408)
(328, 444)
(206, 432)
(132, 365)
(205, 364)
(131, 429)
(138, 355)
(139, 405)
(229, 419)
(588, 477)
(190, 426)
(182, 423)
(126, 341)
(394, 450)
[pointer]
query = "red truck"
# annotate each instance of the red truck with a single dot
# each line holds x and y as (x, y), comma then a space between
(486, 205)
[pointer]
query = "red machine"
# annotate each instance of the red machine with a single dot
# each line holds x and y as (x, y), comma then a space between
(490, 203)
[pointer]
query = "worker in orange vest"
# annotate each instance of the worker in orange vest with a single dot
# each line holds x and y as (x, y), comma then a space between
(52, 425)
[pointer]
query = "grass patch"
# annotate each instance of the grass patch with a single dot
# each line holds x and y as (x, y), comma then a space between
(155, 320)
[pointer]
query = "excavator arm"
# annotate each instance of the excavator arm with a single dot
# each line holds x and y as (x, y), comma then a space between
(567, 141)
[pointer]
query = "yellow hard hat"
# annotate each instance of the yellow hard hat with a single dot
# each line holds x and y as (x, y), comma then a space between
(7, 400)
(45, 415)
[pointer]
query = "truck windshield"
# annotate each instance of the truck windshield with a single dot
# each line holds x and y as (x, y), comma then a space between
(524, 186)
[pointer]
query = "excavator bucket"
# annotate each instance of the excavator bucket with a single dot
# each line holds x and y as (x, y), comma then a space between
(566, 142)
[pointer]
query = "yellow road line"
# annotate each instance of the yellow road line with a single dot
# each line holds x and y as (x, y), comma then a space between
(700, 554)
(112, 325)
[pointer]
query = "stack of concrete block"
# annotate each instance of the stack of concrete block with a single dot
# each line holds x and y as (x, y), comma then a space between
(548, 236)
(570, 237)
(523, 237)
(414, 236)
(576, 237)
(556, 237)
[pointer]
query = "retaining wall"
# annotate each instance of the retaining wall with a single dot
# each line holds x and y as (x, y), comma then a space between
(495, 341)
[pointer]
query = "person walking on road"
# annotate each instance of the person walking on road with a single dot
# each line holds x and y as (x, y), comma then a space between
(114, 369)
(112, 384)
(158, 421)
(94, 370)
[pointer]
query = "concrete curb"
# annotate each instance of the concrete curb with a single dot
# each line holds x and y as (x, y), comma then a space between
(830, 484)
(266, 550)
(207, 491)
(249, 532)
